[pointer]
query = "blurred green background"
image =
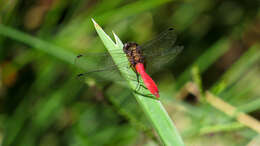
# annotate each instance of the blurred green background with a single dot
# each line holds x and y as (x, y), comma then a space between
(43, 103)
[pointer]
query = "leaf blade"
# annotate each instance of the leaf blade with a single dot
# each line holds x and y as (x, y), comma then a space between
(153, 108)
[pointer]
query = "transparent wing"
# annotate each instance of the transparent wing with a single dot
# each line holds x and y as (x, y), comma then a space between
(157, 53)
(161, 50)
(155, 64)
(92, 62)
(163, 43)
(99, 66)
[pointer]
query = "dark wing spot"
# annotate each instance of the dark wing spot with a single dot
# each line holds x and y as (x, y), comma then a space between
(79, 75)
(80, 55)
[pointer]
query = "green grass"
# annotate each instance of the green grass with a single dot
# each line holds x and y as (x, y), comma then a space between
(38, 44)
(211, 55)
(43, 103)
(153, 108)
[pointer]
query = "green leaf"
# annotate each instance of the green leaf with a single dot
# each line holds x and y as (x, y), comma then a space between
(38, 44)
(153, 108)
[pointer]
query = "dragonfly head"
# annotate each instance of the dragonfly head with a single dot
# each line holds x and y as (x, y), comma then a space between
(128, 47)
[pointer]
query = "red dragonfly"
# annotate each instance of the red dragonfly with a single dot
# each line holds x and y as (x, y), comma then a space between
(144, 60)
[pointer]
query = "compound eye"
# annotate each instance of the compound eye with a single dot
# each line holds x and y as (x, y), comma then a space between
(126, 46)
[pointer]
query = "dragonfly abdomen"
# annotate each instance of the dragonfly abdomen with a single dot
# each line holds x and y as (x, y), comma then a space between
(136, 59)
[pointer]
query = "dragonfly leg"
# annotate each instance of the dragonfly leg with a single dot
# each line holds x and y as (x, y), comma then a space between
(138, 82)
(139, 85)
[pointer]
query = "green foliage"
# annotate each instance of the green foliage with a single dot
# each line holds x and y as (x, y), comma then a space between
(44, 103)
(152, 107)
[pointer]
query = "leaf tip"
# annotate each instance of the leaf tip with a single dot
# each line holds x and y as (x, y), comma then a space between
(95, 23)
(116, 38)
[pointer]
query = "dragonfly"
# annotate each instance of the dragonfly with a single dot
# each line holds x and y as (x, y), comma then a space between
(144, 60)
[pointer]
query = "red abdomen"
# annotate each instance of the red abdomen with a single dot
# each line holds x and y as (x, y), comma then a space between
(148, 81)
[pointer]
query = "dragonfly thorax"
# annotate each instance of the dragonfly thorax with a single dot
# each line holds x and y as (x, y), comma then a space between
(133, 53)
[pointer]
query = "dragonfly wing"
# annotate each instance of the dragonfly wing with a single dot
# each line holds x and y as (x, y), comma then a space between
(160, 51)
(97, 65)
(164, 42)
(155, 63)
(101, 67)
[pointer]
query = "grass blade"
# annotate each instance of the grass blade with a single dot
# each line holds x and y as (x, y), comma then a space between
(211, 55)
(153, 108)
(237, 70)
(37, 43)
